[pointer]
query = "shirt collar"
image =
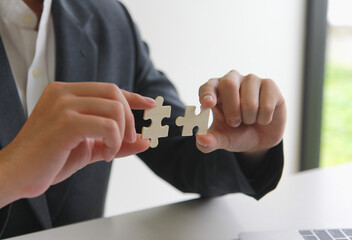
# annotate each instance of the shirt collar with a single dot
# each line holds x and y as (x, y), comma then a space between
(17, 12)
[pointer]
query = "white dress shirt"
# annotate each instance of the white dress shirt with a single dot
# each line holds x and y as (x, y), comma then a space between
(31, 54)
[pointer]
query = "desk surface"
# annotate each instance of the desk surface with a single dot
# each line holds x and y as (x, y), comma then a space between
(312, 199)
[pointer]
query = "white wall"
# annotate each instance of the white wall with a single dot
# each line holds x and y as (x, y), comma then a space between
(192, 41)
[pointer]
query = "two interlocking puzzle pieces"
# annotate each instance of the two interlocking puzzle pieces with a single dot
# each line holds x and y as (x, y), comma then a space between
(189, 121)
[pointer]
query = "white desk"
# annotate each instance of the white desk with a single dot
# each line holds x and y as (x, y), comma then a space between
(312, 199)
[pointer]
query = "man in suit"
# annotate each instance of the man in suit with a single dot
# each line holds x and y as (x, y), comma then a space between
(78, 74)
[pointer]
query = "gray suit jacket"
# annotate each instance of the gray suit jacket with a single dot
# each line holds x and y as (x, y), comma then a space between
(96, 40)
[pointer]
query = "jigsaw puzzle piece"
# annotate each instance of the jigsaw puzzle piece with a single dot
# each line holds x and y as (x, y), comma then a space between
(156, 115)
(154, 135)
(190, 120)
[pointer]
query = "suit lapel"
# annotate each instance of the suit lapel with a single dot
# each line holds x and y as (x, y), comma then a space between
(12, 116)
(11, 121)
(76, 56)
(76, 61)
(76, 51)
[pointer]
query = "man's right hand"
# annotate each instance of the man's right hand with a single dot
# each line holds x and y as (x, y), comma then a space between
(72, 125)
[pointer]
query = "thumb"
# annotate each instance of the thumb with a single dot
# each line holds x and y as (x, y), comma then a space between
(212, 141)
(127, 149)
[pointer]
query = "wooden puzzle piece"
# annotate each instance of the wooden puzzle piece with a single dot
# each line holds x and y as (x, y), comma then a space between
(156, 130)
(190, 120)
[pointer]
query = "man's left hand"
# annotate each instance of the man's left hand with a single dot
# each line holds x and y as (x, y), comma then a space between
(249, 114)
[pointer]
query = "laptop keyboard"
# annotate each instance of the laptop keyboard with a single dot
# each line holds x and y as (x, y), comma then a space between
(329, 234)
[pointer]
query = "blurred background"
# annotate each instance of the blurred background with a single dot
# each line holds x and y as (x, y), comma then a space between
(304, 45)
(336, 141)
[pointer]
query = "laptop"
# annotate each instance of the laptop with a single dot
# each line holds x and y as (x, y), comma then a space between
(317, 234)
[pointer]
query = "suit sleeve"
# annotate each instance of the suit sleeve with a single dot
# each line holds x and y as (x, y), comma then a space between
(177, 159)
(4, 215)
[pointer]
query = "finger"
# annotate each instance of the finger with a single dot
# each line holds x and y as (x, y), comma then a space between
(82, 126)
(137, 101)
(208, 93)
(78, 158)
(108, 91)
(93, 106)
(111, 91)
(97, 151)
(211, 141)
(127, 149)
(130, 131)
(268, 100)
(250, 88)
(102, 90)
(93, 89)
(228, 92)
(97, 107)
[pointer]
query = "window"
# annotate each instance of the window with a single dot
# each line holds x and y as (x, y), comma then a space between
(336, 135)
(327, 103)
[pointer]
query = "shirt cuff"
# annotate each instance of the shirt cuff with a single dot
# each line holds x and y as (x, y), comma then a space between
(267, 174)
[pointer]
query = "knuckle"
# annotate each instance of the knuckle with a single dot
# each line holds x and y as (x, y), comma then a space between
(266, 108)
(233, 71)
(227, 83)
(66, 120)
(116, 108)
(110, 126)
(53, 88)
(235, 75)
(202, 88)
(212, 82)
(119, 107)
(67, 125)
(268, 82)
(52, 85)
(249, 105)
(113, 90)
(251, 77)
(205, 88)
(62, 104)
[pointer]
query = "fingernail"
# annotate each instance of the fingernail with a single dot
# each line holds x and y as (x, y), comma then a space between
(234, 123)
(149, 100)
(201, 143)
(208, 98)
